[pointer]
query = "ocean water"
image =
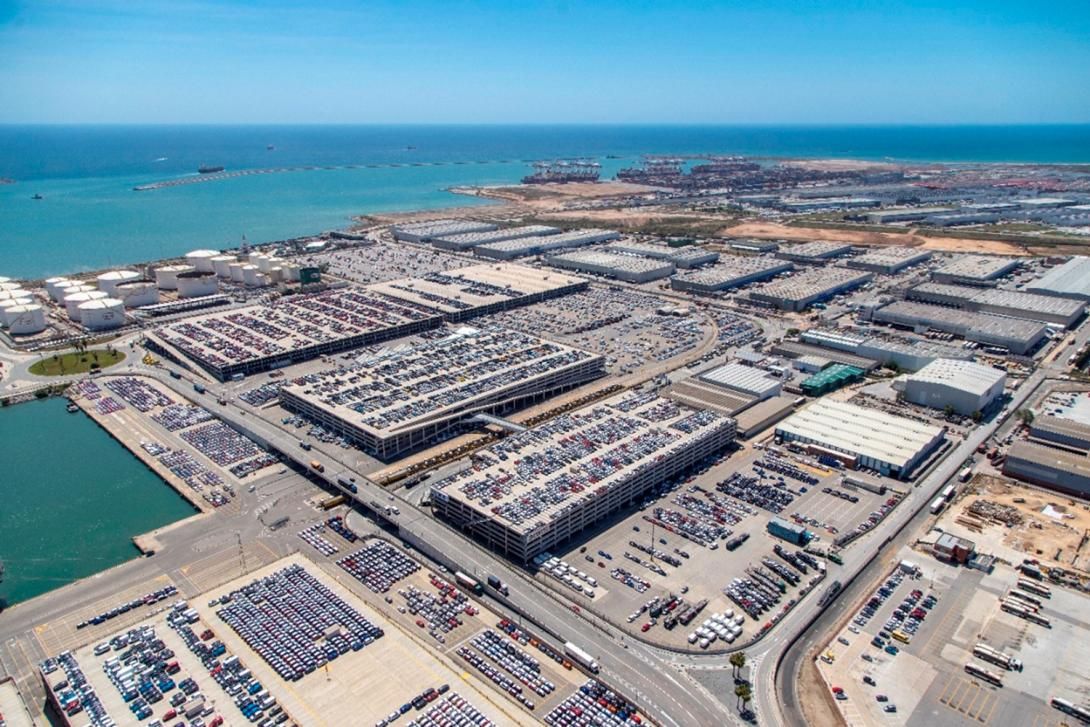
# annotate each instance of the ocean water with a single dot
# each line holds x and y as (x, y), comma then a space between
(91, 218)
(69, 510)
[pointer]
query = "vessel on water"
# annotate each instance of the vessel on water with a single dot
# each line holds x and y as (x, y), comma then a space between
(563, 170)
(209, 169)
(72, 408)
(269, 147)
(37, 196)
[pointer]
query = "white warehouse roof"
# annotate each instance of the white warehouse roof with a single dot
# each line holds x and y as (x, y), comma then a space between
(746, 379)
(1070, 280)
(965, 376)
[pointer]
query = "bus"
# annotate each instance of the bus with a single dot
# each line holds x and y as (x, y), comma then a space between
(1074, 710)
(983, 674)
(900, 636)
(937, 504)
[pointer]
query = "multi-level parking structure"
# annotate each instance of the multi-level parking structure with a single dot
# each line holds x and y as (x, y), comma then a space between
(538, 244)
(630, 268)
(469, 240)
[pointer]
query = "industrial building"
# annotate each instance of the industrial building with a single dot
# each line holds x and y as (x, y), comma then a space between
(1070, 280)
(397, 400)
(687, 256)
(814, 253)
(468, 240)
(795, 350)
(832, 377)
(975, 269)
(889, 260)
(425, 231)
(537, 489)
(965, 386)
(1049, 467)
(754, 245)
(748, 380)
(286, 331)
(630, 268)
(906, 354)
(789, 531)
(1031, 306)
(862, 437)
(1014, 334)
(538, 244)
(1060, 431)
(730, 272)
(478, 290)
(827, 203)
(809, 287)
(906, 214)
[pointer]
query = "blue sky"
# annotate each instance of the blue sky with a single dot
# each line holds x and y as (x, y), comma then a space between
(740, 62)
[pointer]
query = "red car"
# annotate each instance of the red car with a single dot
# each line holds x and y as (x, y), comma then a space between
(645, 627)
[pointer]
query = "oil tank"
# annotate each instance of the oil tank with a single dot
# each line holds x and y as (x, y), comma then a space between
(4, 279)
(9, 303)
(61, 289)
(51, 285)
(196, 284)
(249, 274)
(236, 272)
(201, 259)
(14, 294)
(102, 314)
(9, 287)
(166, 277)
(221, 265)
(108, 282)
(73, 301)
(276, 274)
(25, 320)
(138, 293)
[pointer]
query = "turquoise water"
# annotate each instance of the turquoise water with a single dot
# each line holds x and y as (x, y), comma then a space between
(71, 499)
(91, 218)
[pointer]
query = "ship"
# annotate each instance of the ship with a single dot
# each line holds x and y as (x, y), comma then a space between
(563, 170)
(37, 196)
(207, 169)
(269, 147)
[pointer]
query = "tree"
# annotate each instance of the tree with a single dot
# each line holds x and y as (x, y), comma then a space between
(1026, 415)
(977, 415)
(948, 409)
(738, 661)
(744, 694)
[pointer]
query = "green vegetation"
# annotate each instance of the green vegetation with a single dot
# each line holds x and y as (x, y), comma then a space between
(1026, 415)
(77, 362)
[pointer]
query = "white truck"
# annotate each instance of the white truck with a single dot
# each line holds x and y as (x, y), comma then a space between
(582, 657)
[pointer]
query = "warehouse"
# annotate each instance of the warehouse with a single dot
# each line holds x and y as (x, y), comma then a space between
(1048, 467)
(688, 256)
(814, 253)
(754, 245)
(425, 231)
(1014, 334)
(809, 287)
(965, 386)
(907, 214)
(831, 378)
(889, 260)
(296, 328)
(827, 203)
(875, 440)
(905, 354)
(1070, 280)
(537, 489)
(479, 289)
(794, 350)
(468, 240)
(1060, 431)
(397, 400)
(744, 380)
(1031, 306)
(538, 244)
(974, 270)
(630, 268)
(730, 272)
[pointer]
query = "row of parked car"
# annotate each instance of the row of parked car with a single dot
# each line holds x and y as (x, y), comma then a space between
(146, 600)
(594, 705)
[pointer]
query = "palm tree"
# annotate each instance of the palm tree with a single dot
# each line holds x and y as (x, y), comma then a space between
(738, 661)
(744, 694)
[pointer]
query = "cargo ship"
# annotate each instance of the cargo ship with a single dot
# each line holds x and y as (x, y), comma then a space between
(563, 170)
(208, 169)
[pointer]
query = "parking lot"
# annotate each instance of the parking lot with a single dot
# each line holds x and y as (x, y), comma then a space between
(925, 678)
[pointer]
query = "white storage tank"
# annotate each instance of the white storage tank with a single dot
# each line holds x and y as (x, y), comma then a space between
(9, 285)
(263, 263)
(236, 272)
(221, 265)
(25, 320)
(276, 274)
(9, 303)
(4, 279)
(73, 301)
(196, 284)
(249, 274)
(13, 294)
(51, 285)
(166, 277)
(109, 281)
(76, 288)
(138, 293)
(61, 289)
(102, 314)
(201, 259)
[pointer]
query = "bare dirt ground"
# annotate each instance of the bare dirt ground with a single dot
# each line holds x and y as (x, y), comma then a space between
(815, 699)
(550, 195)
(840, 165)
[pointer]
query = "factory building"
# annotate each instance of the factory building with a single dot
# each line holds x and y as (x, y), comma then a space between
(469, 240)
(1070, 280)
(748, 380)
(889, 260)
(979, 270)
(966, 386)
(1049, 467)
(400, 399)
(809, 287)
(958, 219)
(907, 214)
(1014, 303)
(688, 256)
(1060, 431)
(539, 244)
(828, 203)
(425, 231)
(830, 378)
(862, 437)
(794, 350)
(478, 290)
(905, 354)
(630, 268)
(1014, 334)
(730, 272)
(814, 253)
(756, 246)
(536, 490)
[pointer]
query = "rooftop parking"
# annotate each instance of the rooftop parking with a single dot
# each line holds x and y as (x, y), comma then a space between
(382, 261)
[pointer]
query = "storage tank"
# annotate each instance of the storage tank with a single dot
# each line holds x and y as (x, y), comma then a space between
(51, 287)
(4, 279)
(221, 265)
(249, 274)
(263, 263)
(73, 301)
(201, 259)
(13, 294)
(166, 277)
(10, 286)
(138, 293)
(61, 289)
(24, 320)
(76, 288)
(109, 281)
(9, 303)
(102, 314)
(236, 272)
(276, 274)
(196, 284)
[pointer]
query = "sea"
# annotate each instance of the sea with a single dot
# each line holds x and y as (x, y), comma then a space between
(89, 217)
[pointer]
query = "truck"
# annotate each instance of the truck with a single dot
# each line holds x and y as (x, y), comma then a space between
(174, 374)
(583, 658)
(1035, 588)
(347, 483)
(469, 583)
(497, 585)
(948, 493)
(965, 475)
(317, 466)
(937, 505)
(199, 388)
(987, 653)
(983, 674)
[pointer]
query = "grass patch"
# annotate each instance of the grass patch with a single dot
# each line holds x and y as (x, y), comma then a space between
(64, 364)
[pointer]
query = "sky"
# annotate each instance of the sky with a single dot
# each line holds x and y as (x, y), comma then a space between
(517, 61)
